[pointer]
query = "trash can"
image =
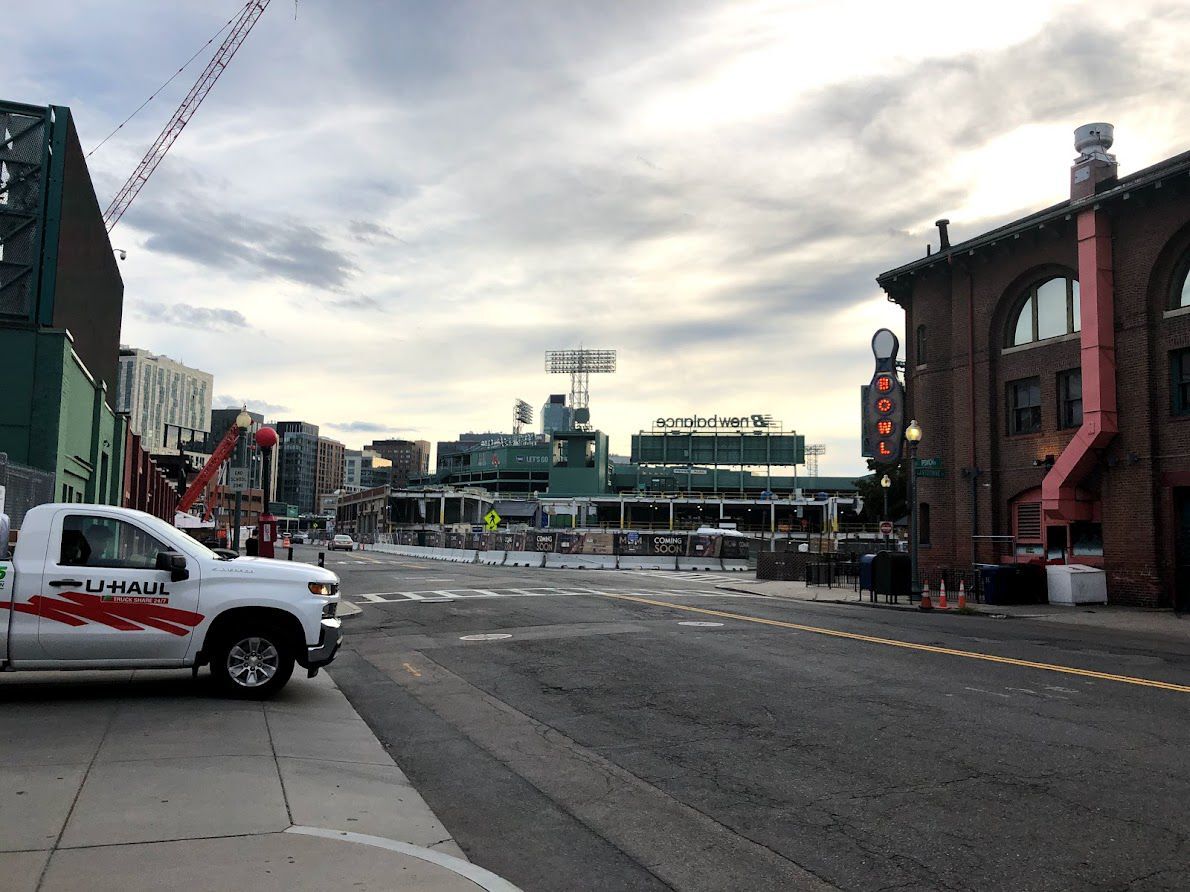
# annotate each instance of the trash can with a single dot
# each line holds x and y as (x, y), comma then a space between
(890, 574)
(1012, 583)
(995, 581)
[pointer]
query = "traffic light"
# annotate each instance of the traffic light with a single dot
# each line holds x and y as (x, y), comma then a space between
(884, 403)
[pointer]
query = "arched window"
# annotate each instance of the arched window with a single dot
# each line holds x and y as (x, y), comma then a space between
(1050, 309)
(921, 345)
(1180, 297)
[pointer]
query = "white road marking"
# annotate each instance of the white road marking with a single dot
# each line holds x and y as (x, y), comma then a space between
(993, 693)
(429, 596)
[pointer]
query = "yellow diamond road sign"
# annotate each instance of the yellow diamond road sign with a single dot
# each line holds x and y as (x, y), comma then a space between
(491, 519)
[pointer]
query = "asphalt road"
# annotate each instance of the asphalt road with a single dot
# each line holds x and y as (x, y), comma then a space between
(603, 742)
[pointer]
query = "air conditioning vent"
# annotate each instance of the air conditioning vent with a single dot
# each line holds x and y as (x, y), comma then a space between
(1028, 521)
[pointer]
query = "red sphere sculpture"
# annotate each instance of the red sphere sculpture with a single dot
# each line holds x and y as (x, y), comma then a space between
(266, 438)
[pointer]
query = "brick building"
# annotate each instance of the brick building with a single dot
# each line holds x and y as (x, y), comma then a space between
(409, 458)
(1048, 363)
(328, 474)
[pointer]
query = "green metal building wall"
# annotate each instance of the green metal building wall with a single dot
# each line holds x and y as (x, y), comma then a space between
(55, 416)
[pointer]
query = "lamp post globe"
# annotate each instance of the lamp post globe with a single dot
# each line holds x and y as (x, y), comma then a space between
(243, 422)
(885, 483)
(913, 435)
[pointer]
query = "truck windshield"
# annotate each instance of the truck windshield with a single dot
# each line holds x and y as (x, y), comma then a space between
(169, 533)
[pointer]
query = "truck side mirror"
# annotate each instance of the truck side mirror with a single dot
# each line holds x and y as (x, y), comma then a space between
(174, 564)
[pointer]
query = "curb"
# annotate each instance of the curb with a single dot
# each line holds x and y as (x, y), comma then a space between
(972, 611)
(485, 879)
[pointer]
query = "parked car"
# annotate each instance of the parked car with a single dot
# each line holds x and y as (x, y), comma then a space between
(297, 538)
(342, 543)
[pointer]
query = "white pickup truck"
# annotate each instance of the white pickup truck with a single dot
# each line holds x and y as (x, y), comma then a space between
(97, 587)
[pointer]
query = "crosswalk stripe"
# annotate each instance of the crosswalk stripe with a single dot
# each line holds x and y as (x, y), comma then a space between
(444, 595)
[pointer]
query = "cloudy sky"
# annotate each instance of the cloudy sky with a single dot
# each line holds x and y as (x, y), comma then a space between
(387, 210)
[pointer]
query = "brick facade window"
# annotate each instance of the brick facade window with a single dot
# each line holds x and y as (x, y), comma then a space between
(1024, 406)
(1049, 309)
(1070, 398)
(1180, 295)
(1179, 375)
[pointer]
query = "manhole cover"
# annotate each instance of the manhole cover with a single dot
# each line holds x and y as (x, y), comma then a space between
(493, 636)
(702, 625)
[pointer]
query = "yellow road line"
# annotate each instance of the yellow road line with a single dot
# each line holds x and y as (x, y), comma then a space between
(909, 645)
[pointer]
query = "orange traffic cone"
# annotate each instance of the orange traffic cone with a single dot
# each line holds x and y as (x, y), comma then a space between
(962, 596)
(925, 603)
(942, 605)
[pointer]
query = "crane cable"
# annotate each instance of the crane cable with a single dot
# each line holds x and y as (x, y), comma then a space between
(214, 37)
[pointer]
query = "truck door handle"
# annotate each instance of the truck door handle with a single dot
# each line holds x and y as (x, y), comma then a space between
(58, 583)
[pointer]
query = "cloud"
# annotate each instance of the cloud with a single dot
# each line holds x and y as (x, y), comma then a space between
(414, 201)
(357, 302)
(235, 243)
(188, 316)
(223, 401)
(368, 427)
(372, 233)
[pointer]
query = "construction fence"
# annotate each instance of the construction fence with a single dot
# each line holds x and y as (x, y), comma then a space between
(24, 488)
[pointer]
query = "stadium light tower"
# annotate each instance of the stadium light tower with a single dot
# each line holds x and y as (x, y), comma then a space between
(522, 414)
(580, 365)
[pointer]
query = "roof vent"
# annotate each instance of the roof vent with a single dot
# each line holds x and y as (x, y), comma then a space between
(1094, 168)
(1093, 141)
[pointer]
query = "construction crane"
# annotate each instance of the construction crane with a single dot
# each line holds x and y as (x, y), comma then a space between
(243, 24)
(221, 454)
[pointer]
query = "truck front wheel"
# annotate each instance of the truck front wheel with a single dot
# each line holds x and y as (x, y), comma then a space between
(253, 662)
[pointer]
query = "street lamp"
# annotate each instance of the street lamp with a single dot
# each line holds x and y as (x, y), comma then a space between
(243, 422)
(913, 435)
(885, 483)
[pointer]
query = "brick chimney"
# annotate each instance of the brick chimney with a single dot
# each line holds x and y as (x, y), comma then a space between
(1094, 165)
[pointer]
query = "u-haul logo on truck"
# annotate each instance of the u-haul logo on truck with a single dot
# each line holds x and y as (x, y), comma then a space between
(120, 587)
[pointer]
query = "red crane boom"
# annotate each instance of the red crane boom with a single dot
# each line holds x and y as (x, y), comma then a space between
(248, 17)
(221, 454)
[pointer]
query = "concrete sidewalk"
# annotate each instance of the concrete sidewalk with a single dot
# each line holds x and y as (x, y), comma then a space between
(147, 780)
(1144, 621)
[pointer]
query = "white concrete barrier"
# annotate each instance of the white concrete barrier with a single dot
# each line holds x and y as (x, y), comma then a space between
(525, 559)
(736, 566)
(492, 558)
(699, 563)
(645, 562)
(581, 561)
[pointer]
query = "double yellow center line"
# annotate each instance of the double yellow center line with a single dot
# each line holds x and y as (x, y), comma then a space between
(909, 645)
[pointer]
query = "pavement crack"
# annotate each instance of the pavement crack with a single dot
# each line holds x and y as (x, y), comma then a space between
(277, 764)
(111, 720)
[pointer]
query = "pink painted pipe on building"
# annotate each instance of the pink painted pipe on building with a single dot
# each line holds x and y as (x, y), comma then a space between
(1098, 361)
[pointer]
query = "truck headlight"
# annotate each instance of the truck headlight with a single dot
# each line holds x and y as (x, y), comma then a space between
(326, 589)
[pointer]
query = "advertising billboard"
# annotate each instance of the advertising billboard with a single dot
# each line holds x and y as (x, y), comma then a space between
(713, 448)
